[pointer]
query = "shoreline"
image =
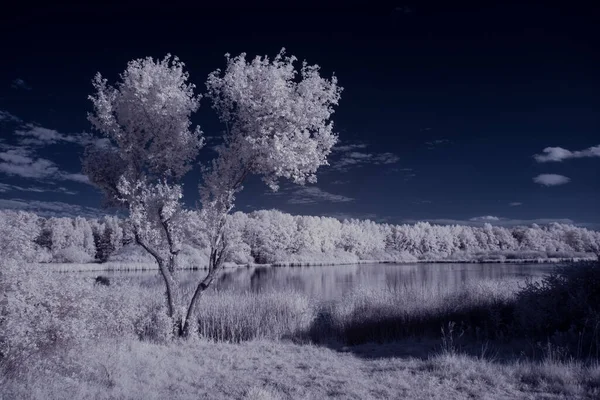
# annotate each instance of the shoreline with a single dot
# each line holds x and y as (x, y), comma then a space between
(142, 267)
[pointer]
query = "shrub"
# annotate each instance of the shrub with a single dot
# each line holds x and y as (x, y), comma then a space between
(72, 255)
(132, 253)
(564, 305)
(43, 310)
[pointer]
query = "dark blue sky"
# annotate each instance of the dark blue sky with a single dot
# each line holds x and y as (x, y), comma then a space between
(444, 105)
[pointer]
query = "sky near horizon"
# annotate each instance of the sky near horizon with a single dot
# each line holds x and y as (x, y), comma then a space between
(450, 113)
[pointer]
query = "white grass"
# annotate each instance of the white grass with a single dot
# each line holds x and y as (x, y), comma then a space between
(129, 369)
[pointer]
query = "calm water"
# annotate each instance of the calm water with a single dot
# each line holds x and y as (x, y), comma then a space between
(330, 282)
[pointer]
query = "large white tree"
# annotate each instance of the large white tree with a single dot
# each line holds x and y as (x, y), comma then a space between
(277, 123)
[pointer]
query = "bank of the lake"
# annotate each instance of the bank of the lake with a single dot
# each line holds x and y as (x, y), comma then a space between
(149, 266)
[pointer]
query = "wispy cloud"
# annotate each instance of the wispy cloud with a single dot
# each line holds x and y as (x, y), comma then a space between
(356, 159)
(476, 221)
(22, 162)
(559, 154)
(515, 203)
(422, 201)
(361, 216)
(432, 144)
(349, 147)
(347, 156)
(39, 136)
(312, 195)
(20, 84)
(551, 179)
(4, 188)
(309, 195)
(51, 208)
(5, 116)
(485, 218)
(19, 162)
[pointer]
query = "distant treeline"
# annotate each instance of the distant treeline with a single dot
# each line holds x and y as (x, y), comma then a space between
(270, 236)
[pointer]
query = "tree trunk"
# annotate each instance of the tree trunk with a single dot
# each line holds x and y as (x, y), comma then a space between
(215, 264)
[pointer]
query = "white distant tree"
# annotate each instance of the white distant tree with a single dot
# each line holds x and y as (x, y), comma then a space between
(278, 126)
(18, 231)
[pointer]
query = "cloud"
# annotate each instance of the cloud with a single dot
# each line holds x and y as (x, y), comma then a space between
(551, 179)
(559, 154)
(312, 195)
(5, 116)
(309, 195)
(349, 157)
(355, 158)
(51, 208)
(20, 84)
(20, 161)
(339, 182)
(349, 147)
(515, 204)
(10, 188)
(361, 216)
(499, 222)
(39, 136)
(486, 218)
(432, 144)
(81, 178)
(422, 202)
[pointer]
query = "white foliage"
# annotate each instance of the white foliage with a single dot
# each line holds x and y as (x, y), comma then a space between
(278, 126)
(147, 116)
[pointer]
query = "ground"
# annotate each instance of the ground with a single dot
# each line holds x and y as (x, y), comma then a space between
(130, 369)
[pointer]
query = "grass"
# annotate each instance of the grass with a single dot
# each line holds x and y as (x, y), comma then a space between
(412, 341)
(129, 369)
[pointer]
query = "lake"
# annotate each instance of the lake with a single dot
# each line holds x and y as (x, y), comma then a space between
(333, 282)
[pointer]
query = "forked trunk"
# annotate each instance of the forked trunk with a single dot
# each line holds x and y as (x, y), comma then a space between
(215, 264)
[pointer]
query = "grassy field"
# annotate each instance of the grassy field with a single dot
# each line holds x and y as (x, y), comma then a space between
(130, 369)
(63, 337)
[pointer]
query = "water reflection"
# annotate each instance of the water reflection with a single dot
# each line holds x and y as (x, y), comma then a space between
(331, 282)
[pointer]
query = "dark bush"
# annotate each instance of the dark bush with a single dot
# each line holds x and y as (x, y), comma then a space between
(564, 305)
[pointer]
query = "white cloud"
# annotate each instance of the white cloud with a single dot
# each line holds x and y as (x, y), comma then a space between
(356, 158)
(486, 218)
(10, 188)
(51, 208)
(349, 157)
(515, 203)
(559, 154)
(432, 144)
(20, 164)
(309, 195)
(551, 179)
(361, 216)
(312, 195)
(349, 147)
(19, 161)
(20, 84)
(39, 136)
(420, 201)
(81, 178)
(8, 117)
(499, 222)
